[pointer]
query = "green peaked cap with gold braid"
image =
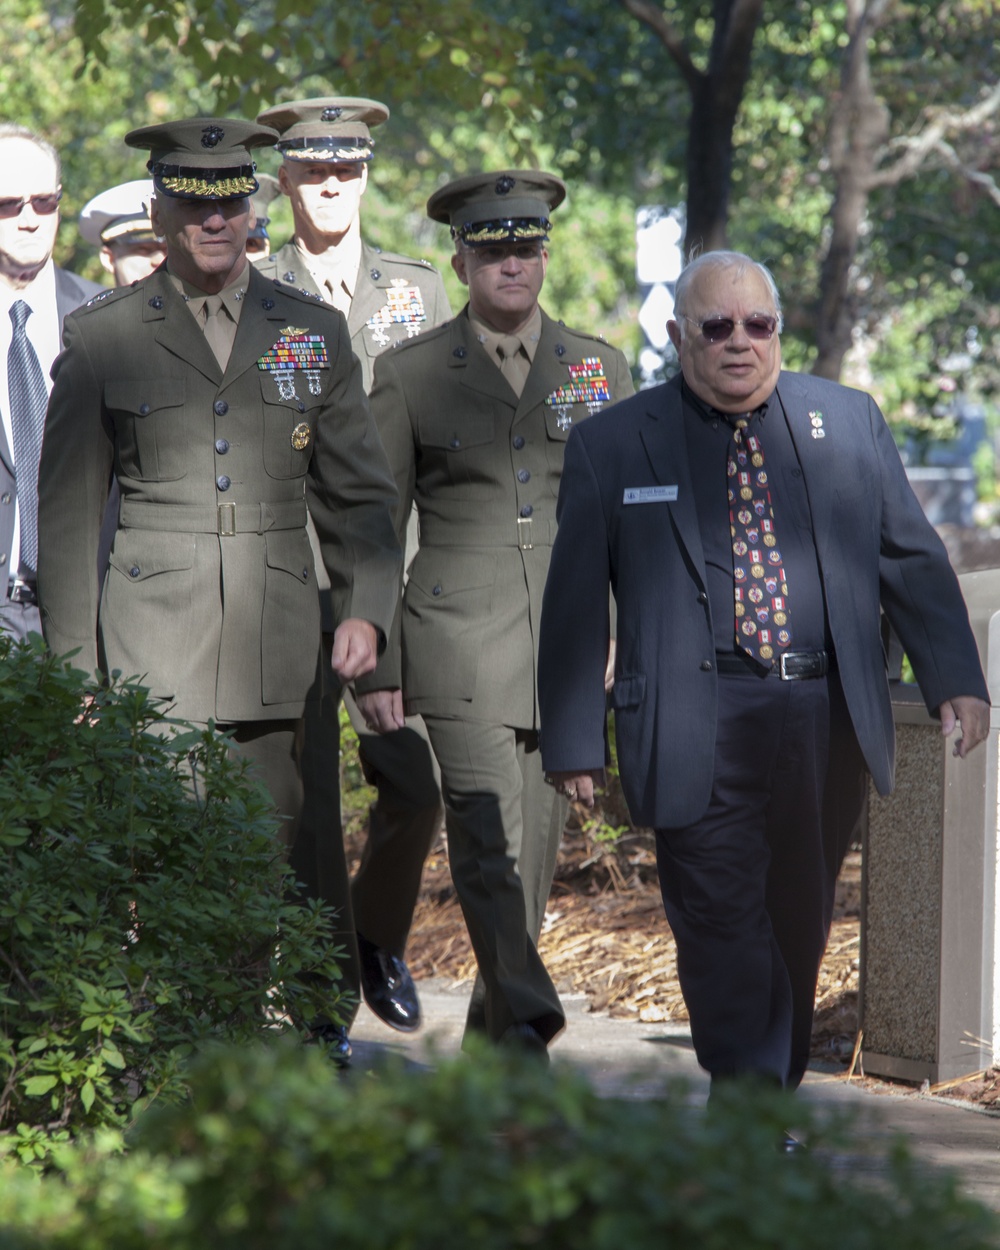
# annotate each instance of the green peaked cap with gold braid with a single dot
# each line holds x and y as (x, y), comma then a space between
(203, 158)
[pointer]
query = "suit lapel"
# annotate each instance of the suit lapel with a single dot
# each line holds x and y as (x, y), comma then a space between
(663, 436)
(369, 292)
(175, 328)
(547, 370)
(259, 325)
(814, 437)
(475, 369)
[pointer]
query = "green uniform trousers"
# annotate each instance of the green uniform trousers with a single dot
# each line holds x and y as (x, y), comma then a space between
(504, 824)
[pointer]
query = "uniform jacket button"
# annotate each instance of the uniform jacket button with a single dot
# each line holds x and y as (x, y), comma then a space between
(134, 571)
(144, 410)
(301, 406)
(706, 666)
(523, 475)
(223, 482)
(220, 407)
(518, 443)
(436, 590)
(376, 274)
(221, 446)
(527, 510)
(455, 443)
(459, 352)
(305, 575)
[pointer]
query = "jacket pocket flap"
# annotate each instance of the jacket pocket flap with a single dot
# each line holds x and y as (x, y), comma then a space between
(144, 397)
(289, 551)
(628, 691)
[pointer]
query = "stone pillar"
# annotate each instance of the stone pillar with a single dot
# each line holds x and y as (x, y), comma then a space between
(930, 996)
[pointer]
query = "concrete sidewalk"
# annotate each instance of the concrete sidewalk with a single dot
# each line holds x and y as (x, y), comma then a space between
(626, 1058)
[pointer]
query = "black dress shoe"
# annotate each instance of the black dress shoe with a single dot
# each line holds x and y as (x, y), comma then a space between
(334, 1040)
(525, 1038)
(388, 987)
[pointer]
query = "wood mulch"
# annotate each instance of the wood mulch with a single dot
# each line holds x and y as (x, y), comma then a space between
(605, 935)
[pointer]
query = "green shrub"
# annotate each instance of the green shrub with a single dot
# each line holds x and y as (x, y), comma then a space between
(275, 1152)
(145, 895)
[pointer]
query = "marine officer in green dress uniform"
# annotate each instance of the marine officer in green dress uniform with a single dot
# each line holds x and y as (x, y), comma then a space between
(326, 146)
(474, 417)
(222, 403)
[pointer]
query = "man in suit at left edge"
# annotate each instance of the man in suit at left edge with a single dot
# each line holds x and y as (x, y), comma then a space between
(35, 298)
(222, 402)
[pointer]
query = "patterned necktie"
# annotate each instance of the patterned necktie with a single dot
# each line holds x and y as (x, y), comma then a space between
(28, 401)
(759, 584)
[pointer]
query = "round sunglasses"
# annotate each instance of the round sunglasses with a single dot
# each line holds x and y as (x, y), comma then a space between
(719, 329)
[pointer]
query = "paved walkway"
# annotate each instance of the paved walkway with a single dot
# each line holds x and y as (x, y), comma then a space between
(631, 1059)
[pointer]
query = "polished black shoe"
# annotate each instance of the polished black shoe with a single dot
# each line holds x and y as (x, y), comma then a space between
(525, 1039)
(388, 987)
(334, 1040)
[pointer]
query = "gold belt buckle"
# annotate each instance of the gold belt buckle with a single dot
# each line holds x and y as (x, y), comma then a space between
(227, 520)
(524, 537)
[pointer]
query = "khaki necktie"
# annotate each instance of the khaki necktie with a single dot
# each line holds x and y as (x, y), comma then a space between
(514, 364)
(214, 317)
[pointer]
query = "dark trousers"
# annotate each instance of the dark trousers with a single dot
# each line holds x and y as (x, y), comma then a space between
(504, 825)
(749, 889)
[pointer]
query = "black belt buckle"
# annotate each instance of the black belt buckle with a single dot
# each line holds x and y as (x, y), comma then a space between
(802, 665)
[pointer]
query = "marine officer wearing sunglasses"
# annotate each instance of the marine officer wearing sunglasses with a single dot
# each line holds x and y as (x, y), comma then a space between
(751, 523)
(35, 297)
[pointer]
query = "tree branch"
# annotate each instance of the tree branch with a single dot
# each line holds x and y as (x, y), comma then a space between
(652, 15)
(917, 148)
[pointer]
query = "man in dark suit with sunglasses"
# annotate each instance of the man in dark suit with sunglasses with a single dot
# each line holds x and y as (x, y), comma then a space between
(750, 522)
(35, 298)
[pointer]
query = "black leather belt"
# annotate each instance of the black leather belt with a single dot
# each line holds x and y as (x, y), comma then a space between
(789, 666)
(21, 592)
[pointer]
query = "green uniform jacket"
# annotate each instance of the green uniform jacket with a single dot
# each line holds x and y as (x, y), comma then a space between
(211, 592)
(484, 470)
(419, 301)
(395, 298)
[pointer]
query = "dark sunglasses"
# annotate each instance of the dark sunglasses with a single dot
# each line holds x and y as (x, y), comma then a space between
(43, 205)
(718, 329)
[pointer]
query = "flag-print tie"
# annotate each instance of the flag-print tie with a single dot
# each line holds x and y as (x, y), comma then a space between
(759, 586)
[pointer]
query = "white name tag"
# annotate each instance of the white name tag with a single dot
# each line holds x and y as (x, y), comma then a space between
(649, 494)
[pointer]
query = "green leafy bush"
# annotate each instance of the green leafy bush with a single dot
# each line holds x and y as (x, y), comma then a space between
(275, 1152)
(145, 897)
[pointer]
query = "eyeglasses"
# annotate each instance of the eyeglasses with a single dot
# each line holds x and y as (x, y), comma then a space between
(43, 205)
(719, 329)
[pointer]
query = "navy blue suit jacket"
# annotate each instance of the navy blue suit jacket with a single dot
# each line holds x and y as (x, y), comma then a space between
(875, 549)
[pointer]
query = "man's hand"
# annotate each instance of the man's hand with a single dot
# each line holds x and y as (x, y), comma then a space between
(609, 668)
(355, 649)
(974, 717)
(382, 710)
(577, 787)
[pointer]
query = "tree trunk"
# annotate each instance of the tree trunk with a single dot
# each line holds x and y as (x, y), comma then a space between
(859, 128)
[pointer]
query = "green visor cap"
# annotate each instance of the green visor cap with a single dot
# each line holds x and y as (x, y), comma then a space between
(203, 158)
(506, 206)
